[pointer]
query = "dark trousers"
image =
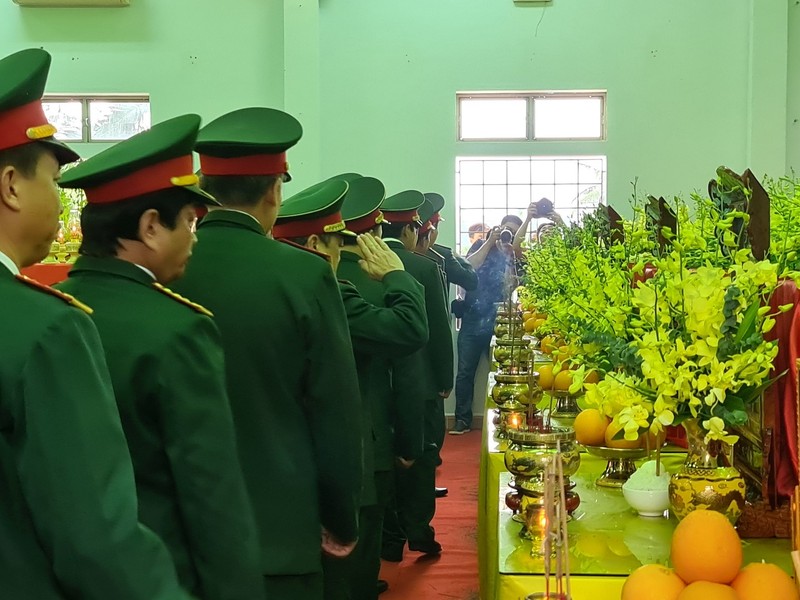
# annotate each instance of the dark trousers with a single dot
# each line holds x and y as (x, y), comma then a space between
(415, 489)
(471, 346)
(356, 576)
(292, 587)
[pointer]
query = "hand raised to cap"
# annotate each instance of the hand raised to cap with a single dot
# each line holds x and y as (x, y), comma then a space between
(378, 259)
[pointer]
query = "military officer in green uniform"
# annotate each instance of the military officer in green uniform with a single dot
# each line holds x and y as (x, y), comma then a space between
(392, 323)
(165, 356)
(291, 375)
(457, 269)
(431, 380)
(454, 270)
(68, 516)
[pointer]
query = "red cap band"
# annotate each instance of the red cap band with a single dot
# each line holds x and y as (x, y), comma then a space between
(153, 178)
(367, 222)
(304, 227)
(426, 227)
(435, 219)
(15, 123)
(255, 164)
(404, 216)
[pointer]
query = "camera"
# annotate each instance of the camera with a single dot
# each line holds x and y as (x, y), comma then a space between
(506, 236)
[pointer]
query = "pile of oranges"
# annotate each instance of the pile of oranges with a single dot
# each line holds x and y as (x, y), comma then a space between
(706, 555)
(593, 428)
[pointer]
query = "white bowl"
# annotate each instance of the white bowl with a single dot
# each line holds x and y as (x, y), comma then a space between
(648, 503)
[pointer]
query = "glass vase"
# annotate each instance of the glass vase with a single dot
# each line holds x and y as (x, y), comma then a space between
(707, 480)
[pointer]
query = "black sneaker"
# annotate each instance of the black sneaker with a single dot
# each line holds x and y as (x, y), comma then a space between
(460, 428)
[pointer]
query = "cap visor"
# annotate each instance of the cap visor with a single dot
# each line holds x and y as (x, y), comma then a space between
(347, 232)
(64, 154)
(203, 197)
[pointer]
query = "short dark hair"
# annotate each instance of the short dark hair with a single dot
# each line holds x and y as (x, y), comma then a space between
(349, 240)
(327, 239)
(512, 219)
(24, 158)
(395, 230)
(103, 225)
(238, 190)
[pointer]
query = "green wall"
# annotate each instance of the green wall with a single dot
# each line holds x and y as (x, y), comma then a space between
(201, 56)
(691, 85)
(678, 76)
(793, 120)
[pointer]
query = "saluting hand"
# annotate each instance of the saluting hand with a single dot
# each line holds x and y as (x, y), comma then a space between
(378, 259)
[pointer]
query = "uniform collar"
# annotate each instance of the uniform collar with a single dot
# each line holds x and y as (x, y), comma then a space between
(112, 266)
(347, 256)
(9, 264)
(394, 242)
(232, 218)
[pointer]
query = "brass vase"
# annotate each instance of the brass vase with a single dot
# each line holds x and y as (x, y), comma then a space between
(707, 480)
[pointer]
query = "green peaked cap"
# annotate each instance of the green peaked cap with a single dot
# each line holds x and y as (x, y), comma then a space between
(248, 141)
(348, 177)
(426, 211)
(23, 76)
(315, 210)
(404, 207)
(362, 205)
(436, 200)
(154, 160)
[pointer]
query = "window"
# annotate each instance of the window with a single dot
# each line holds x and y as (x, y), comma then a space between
(488, 188)
(531, 116)
(97, 118)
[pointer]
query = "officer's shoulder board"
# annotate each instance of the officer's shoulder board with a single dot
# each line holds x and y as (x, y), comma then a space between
(185, 301)
(299, 247)
(427, 258)
(69, 299)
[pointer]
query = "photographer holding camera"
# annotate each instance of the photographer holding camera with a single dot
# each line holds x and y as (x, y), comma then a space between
(494, 260)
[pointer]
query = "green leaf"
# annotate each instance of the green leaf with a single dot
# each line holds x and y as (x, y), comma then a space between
(748, 324)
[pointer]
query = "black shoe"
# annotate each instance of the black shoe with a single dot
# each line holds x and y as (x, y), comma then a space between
(441, 492)
(392, 553)
(383, 586)
(430, 547)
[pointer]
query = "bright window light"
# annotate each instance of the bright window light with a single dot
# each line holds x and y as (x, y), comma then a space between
(531, 116)
(67, 117)
(567, 118)
(493, 118)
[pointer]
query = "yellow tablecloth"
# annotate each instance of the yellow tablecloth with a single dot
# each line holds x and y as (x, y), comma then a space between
(607, 541)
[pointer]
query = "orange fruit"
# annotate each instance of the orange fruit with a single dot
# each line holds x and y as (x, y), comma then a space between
(752, 582)
(590, 427)
(530, 325)
(548, 344)
(545, 376)
(652, 582)
(563, 380)
(527, 315)
(707, 590)
(611, 431)
(591, 377)
(706, 547)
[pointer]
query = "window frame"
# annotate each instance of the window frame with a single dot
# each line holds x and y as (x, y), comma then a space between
(530, 97)
(86, 100)
(577, 158)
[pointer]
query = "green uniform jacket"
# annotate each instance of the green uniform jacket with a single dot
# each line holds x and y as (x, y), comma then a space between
(390, 323)
(292, 384)
(69, 527)
(436, 374)
(457, 270)
(168, 372)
